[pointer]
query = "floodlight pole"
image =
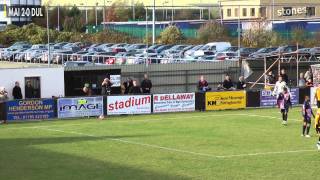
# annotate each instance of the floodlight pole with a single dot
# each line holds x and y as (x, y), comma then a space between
(58, 18)
(172, 11)
(154, 22)
(48, 34)
(239, 33)
(147, 36)
(96, 13)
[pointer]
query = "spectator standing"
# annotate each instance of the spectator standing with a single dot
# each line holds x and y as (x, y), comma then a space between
(309, 83)
(3, 94)
(271, 79)
(146, 85)
(29, 90)
(308, 75)
(227, 83)
(241, 84)
(16, 91)
(128, 85)
(135, 88)
(87, 91)
(302, 81)
(106, 87)
(284, 76)
(3, 97)
(203, 85)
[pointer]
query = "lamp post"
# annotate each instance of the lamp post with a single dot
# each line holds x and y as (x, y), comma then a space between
(104, 11)
(58, 25)
(172, 10)
(166, 3)
(96, 12)
(48, 34)
(239, 32)
(154, 22)
(133, 10)
(86, 11)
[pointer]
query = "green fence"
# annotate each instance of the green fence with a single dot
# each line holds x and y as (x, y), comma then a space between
(139, 32)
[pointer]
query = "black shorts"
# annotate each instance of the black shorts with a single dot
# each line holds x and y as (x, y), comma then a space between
(285, 110)
(318, 104)
(307, 120)
(318, 129)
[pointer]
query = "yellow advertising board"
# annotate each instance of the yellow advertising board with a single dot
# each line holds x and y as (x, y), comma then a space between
(225, 100)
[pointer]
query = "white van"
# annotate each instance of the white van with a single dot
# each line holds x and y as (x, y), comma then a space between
(212, 47)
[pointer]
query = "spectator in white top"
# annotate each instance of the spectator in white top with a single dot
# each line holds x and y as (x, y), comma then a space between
(308, 75)
(302, 81)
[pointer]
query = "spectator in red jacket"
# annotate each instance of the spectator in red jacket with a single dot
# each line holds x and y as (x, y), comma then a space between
(203, 85)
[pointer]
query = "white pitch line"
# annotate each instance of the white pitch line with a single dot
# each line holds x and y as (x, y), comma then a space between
(268, 153)
(154, 119)
(179, 150)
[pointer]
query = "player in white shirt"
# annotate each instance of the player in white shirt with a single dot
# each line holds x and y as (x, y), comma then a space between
(279, 87)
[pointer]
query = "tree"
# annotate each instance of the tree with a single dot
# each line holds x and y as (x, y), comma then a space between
(122, 12)
(212, 31)
(171, 35)
(111, 14)
(73, 22)
(260, 36)
(299, 35)
(140, 11)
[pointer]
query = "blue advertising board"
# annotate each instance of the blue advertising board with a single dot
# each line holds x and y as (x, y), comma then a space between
(80, 107)
(267, 100)
(30, 109)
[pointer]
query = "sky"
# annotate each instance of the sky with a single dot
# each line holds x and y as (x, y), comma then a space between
(146, 2)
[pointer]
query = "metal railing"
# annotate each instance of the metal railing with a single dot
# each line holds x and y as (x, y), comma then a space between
(62, 58)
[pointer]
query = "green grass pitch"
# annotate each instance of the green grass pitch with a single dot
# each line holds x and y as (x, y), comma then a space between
(241, 144)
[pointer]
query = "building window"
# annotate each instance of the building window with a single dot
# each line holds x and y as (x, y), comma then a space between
(263, 12)
(253, 12)
(244, 12)
(229, 12)
(1, 7)
(311, 11)
(236, 13)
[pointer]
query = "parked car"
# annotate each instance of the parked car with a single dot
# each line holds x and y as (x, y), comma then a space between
(245, 52)
(314, 51)
(261, 53)
(226, 56)
(189, 53)
(163, 48)
(213, 47)
(136, 46)
(102, 57)
(285, 49)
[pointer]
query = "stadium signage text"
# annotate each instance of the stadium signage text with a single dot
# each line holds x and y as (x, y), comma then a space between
(178, 102)
(80, 107)
(138, 104)
(30, 109)
(24, 11)
(132, 101)
(225, 100)
(173, 96)
(289, 11)
(267, 100)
